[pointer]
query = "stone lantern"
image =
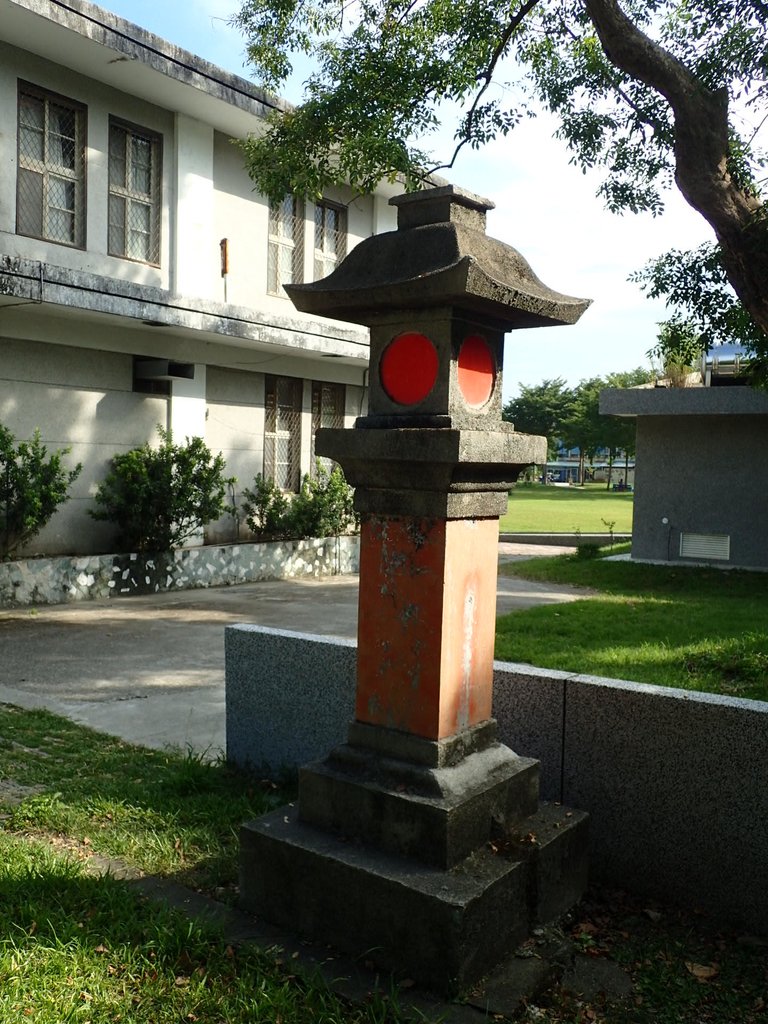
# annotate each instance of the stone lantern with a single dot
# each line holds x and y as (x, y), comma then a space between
(394, 845)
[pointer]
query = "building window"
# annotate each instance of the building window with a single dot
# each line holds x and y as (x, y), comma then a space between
(50, 197)
(328, 402)
(134, 194)
(330, 238)
(285, 258)
(282, 431)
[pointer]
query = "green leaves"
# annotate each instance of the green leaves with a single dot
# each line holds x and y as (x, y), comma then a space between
(695, 287)
(159, 497)
(571, 416)
(322, 508)
(376, 87)
(33, 484)
(672, 94)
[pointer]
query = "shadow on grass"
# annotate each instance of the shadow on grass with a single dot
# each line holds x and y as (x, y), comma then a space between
(169, 814)
(75, 947)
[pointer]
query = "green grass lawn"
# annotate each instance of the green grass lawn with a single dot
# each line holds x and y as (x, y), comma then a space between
(87, 949)
(694, 628)
(533, 508)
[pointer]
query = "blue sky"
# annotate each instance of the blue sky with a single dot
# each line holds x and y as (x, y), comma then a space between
(544, 207)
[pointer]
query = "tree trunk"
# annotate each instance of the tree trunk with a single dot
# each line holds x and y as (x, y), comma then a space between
(701, 152)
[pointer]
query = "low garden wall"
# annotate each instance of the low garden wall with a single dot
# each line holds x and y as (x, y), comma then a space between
(674, 781)
(59, 580)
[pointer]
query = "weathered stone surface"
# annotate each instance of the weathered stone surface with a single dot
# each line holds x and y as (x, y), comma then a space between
(673, 780)
(440, 255)
(444, 930)
(437, 816)
(437, 472)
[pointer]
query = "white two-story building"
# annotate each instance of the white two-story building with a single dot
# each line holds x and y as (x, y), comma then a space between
(141, 274)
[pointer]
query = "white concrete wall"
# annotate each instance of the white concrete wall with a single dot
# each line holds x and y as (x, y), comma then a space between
(235, 427)
(72, 376)
(81, 400)
(241, 216)
(196, 250)
(101, 102)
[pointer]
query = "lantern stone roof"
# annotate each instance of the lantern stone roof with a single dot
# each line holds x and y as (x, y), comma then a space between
(439, 255)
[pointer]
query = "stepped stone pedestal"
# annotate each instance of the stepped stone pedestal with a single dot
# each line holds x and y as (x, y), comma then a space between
(420, 844)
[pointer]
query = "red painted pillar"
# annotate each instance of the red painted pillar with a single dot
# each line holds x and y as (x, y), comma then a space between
(426, 624)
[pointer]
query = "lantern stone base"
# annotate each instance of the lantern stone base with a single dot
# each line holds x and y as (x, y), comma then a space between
(421, 807)
(433, 859)
(443, 929)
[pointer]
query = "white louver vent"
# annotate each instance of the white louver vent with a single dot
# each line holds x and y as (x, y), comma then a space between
(705, 545)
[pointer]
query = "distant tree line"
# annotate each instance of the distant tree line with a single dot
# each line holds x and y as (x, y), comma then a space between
(570, 417)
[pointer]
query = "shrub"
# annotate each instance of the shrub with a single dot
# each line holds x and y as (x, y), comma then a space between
(32, 486)
(587, 550)
(159, 497)
(266, 509)
(322, 508)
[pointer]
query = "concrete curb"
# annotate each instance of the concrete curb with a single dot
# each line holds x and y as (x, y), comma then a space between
(565, 539)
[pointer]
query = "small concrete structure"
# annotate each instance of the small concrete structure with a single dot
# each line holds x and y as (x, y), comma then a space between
(420, 841)
(694, 499)
(673, 780)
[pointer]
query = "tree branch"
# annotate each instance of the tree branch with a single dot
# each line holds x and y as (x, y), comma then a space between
(486, 77)
(701, 116)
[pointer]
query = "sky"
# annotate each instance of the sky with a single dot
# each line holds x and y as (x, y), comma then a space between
(544, 207)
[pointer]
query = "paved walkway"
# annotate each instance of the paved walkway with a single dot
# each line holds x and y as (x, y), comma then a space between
(151, 669)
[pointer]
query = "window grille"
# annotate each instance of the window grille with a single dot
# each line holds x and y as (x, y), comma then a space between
(282, 431)
(285, 257)
(327, 411)
(134, 194)
(330, 238)
(50, 195)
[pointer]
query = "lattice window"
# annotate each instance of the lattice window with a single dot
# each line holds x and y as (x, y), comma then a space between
(285, 256)
(50, 192)
(134, 193)
(327, 411)
(282, 431)
(330, 238)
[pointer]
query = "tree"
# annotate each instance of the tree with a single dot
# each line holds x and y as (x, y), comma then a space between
(589, 431)
(619, 434)
(651, 90)
(704, 307)
(583, 429)
(541, 410)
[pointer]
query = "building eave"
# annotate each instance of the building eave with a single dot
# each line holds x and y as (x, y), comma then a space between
(32, 287)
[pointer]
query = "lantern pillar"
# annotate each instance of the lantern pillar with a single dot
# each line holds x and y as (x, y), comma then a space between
(394, 844)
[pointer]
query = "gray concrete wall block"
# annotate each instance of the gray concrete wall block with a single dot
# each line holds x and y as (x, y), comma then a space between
(289, 696)
(528, 706)
(674, 782)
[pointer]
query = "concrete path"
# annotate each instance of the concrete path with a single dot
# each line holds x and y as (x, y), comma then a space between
(151, 669)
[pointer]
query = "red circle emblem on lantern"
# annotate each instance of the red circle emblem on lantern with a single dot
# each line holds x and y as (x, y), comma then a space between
(408, 368)
(476, 370)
